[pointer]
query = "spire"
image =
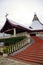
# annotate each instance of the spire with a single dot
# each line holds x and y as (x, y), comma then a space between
(35, 17)
(6, 15)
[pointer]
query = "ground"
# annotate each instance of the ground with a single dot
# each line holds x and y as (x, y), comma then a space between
(8, 61)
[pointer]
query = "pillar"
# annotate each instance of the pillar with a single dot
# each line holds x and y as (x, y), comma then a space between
(14, 32)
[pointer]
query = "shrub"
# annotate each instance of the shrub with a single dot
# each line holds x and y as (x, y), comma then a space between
(12, 40)
(5, 50)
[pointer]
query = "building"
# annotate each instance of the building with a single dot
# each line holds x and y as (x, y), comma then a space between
(15, 30)
(10, 30)
(36, 27)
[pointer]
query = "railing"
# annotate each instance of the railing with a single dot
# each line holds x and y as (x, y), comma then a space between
(5, 36)
(18, 34)
(23, 34)
(39, 35)
(17, 46)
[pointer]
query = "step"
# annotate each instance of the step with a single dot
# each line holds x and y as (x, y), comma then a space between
(40, 54)
(34, 54)
(37, 56)
(40, 57)
(28, 59)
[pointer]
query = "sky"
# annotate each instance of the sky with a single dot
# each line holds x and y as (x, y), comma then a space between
(21, 11)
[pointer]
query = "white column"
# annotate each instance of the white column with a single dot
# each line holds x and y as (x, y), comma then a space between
(14, 32)
(3, 35)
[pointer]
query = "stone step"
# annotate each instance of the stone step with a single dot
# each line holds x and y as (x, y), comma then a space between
(31, 60)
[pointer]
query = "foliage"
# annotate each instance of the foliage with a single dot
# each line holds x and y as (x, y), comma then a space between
(5, 50)
(12, 40)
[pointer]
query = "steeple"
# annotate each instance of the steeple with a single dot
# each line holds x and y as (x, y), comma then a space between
(6, 15)
(35, 17)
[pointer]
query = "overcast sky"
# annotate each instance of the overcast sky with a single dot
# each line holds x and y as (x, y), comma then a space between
(21, 11)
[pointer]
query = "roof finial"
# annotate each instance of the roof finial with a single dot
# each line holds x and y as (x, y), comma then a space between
(35, 13)
(6, 15)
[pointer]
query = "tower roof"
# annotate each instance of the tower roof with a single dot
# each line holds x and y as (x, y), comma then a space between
(36, 24)
(35, 18)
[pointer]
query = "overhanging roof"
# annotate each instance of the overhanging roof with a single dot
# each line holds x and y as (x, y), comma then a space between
(8, 26)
